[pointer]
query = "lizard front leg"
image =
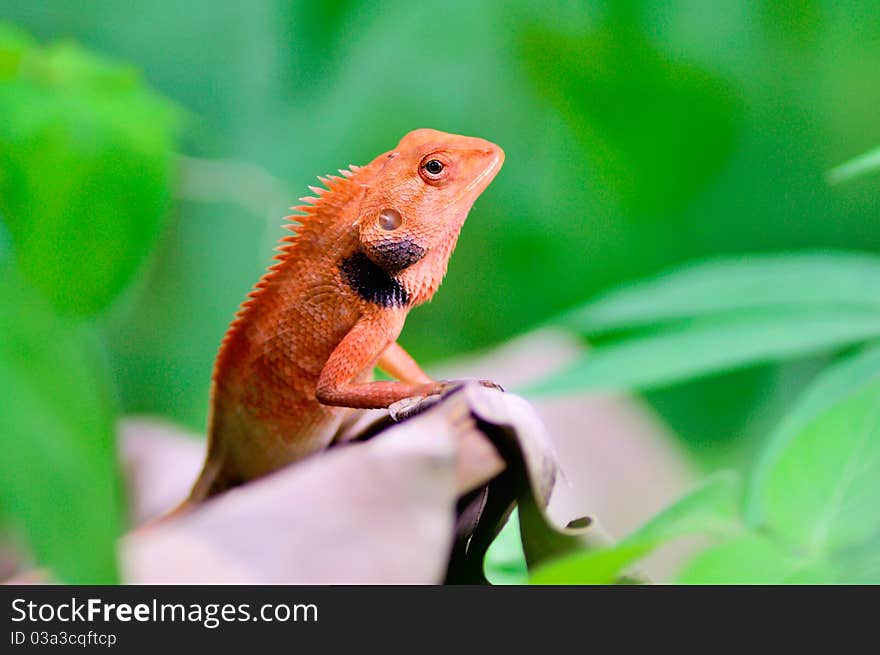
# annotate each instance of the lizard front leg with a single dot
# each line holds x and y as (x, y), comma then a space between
(399, 364)
(369, 340)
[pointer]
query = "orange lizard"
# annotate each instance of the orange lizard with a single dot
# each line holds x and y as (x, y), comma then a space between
(371, 246)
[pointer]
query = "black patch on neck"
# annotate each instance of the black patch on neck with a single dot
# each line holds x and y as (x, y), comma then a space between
(394, 255)
(372, 283)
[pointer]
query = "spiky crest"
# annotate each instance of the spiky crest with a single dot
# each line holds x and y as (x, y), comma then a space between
(315, 212)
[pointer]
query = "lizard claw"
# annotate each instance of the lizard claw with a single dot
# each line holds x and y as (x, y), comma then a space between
(451, 385)
(407, 407)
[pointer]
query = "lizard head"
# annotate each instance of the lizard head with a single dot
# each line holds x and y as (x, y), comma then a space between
(417, 201)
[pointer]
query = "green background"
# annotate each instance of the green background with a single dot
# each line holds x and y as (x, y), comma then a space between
(638, 135)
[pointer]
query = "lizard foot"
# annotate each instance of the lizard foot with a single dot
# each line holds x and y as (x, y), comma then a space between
(406, 407)
(452, 385)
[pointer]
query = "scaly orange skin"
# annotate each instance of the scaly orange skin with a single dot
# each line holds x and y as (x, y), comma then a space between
(302, 348)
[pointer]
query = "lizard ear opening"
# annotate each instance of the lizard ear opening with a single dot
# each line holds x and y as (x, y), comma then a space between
(390, 219)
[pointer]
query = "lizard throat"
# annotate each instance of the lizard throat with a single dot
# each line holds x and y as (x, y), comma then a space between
(371, 282)
(395, 255)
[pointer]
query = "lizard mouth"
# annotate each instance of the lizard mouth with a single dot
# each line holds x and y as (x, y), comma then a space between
(482, 180)
(490, 171)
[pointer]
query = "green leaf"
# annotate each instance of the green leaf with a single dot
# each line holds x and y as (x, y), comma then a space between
(58, 467)
(831, 387)
(592, 567)
(712, 508)
(86, 153)
(820, 495)
(750, 559)
(860, 564)
(814, 492)
(750, 282)
(864, 164)
(704, 347)
(505, 561)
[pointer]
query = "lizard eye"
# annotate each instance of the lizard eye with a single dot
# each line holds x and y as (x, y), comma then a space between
(432, 168)
(390, 219)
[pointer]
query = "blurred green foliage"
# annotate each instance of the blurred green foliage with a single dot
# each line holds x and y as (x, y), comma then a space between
(722, 315)
(639, 135)
(710, 509)
(85, 163)
(864, 164)
(811, 509)
(809, 515)
(59, 468)
(631, 128)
